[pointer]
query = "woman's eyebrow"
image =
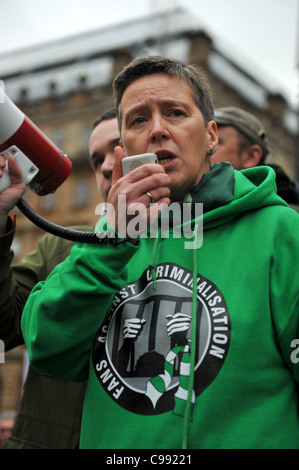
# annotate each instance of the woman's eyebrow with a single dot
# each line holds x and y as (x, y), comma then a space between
(139, 108)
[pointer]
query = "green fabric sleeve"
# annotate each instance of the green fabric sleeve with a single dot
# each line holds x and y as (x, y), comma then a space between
(17, 280)
(63, 313)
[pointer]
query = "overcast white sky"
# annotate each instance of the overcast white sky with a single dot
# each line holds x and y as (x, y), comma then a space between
(261, 33)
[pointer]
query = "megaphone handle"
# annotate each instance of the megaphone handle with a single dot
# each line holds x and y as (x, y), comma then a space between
(28, 169)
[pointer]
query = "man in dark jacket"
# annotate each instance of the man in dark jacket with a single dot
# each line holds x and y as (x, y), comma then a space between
(50, 410)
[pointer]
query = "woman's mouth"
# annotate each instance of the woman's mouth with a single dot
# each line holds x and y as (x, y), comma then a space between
(166, 159)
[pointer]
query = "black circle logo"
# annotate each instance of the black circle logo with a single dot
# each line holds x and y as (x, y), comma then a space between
(141, 353)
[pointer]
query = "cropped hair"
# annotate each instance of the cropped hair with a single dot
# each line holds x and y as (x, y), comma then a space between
(143, 66)
(109, 114)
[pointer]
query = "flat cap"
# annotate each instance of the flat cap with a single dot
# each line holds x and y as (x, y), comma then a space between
(245, 123)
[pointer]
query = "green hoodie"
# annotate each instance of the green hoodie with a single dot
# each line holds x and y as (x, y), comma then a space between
(128, 318)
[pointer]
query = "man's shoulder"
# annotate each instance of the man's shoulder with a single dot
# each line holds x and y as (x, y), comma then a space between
(56, 248)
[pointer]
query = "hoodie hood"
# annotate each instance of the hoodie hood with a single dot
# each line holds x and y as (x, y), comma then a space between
(227, 193)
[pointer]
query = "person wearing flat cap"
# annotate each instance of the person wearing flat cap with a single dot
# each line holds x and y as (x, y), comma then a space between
(242, 140)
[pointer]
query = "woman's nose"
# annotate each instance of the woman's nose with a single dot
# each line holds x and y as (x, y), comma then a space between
(159, 130)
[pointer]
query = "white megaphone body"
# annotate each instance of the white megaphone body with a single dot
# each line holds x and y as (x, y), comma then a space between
(44, 166)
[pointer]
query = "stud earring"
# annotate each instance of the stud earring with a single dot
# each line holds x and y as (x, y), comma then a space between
(211, 151)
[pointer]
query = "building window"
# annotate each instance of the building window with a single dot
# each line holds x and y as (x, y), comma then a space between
(48, 202)
(81, 193)
(85, 134)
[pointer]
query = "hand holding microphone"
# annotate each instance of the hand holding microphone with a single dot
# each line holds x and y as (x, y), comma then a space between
(129, 196)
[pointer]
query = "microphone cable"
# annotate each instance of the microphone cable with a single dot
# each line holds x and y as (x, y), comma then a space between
(77, 236)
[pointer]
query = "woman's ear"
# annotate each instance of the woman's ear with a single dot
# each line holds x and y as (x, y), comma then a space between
(213, 137)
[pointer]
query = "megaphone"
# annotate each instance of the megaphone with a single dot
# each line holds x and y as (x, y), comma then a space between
(44, 166)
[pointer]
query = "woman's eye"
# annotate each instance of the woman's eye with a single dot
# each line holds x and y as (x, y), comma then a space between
(138, 120)
(177, 113)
